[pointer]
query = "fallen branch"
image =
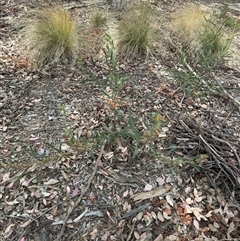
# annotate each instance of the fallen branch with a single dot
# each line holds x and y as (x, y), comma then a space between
(71, 209)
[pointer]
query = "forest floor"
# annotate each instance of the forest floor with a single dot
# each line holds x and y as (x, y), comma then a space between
(50, 189)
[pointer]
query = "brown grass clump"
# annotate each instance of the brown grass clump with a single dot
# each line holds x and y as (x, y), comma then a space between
(188, 22)
(52, 35)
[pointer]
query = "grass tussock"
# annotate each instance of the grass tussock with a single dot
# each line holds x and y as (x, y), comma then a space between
(98, 19)
(188, 22)
(52, 35)
(136, 32)
(214, 43)
(202, 35)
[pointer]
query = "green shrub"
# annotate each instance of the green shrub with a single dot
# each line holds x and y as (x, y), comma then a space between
(136, 33)
(52, 35)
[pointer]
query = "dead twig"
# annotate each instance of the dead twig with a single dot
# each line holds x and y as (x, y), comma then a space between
(220, 148)
(82, 195)
(131, 232)
(234, 151)
(225, 92)
(211, 149)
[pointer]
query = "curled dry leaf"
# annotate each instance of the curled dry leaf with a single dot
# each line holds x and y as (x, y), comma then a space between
(182, 212)
(154, 215)
(126, 206)
(204, 229)
(197, 197)
(167, 214)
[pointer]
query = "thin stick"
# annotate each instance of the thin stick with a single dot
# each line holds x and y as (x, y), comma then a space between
(131, 232)
(226, 93)
(80, 197)
(234, 151)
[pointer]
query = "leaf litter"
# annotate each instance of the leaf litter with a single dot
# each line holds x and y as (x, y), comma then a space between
(146, 200)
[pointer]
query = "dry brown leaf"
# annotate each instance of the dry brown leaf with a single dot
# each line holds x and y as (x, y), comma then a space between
(136, 235)
(167, 214)
(51, 182)
(212, 228)
(126, 207)
(189, 201)
(160, 217)
(187, 219)
(197, 214)
(94, 233)
(169, 199)
(168, 211)
(230, 229)
(204, 229)
(115, 104)
(139, 216)
(171, 238)
(154, 215)
(196, 224)
(154, 193)
(180, 210)
(148, 218)
(159, 238)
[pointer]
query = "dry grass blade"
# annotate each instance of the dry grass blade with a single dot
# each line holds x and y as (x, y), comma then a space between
(51, 35)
